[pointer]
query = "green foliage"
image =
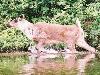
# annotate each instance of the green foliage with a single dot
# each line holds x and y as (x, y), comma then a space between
(93, 68)
(93, 10)
(12, 39)
(52, 11)
(93, 32)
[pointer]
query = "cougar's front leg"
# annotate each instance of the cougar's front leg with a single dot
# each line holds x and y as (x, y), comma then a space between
(71, 60)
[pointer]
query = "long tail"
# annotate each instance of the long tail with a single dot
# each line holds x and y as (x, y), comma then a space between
(79, 26)
(78, 23)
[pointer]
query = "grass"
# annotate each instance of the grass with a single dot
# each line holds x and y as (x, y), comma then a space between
(61, 71)
(93, 68)
(12, 65)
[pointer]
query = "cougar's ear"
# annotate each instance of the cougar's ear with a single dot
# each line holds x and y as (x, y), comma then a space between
(22, 16)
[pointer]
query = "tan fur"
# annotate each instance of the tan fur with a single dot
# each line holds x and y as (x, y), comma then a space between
(45, 33)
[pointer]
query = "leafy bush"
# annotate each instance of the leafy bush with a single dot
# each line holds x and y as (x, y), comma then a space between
(52, 11)
(12, 39)
(93, 33)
